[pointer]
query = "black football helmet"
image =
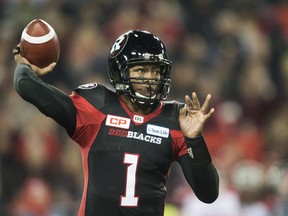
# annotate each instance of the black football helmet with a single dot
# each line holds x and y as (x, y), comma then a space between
(138, 47)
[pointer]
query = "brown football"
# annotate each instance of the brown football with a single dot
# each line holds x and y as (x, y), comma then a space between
(39, 43)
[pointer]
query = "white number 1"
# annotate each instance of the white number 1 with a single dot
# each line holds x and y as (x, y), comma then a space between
(129, 198)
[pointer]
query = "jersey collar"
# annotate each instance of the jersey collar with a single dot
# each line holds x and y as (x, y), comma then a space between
(137, 118)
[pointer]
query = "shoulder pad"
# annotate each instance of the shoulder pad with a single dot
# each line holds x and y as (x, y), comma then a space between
(172, 107)
(96, 94)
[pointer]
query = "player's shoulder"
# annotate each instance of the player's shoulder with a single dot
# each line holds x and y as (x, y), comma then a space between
(170, 113)
(93, 86)
(95, 93)
(93, 89)
(172, 106)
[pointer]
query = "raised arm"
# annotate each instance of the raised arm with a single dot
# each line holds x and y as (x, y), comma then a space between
(197, 165)
(199, 171)
(48, 99)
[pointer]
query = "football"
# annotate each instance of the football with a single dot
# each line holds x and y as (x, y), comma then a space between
(39, 43)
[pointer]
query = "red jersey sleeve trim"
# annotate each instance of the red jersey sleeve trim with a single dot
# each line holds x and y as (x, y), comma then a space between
(88, 121)
(179, 144)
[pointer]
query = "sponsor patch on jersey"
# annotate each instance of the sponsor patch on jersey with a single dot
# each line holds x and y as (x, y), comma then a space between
(135, 135)
(157, 131)
(88, 86)
(138, 119)
(117, 121)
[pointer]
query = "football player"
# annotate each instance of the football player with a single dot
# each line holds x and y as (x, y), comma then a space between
(129, 136)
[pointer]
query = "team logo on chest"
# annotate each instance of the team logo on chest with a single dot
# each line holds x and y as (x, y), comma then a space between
(117, 121)
(154, 134)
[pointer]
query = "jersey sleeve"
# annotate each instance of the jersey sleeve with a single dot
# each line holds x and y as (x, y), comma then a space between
(51, 101)
(195, 148)
(88, 117)
(194, 158)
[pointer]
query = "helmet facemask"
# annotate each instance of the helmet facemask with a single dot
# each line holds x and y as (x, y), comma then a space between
(158, 88)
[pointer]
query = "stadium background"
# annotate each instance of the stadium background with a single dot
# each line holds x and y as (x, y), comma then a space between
(236, 50)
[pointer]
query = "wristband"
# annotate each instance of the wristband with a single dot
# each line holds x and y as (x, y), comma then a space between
(198, 151)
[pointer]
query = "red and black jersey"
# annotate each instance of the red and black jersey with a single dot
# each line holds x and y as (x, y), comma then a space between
(126, 156)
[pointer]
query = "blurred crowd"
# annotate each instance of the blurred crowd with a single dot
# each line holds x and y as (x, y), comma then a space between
(237, 50)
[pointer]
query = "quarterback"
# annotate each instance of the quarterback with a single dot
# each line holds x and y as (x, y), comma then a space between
(130, 135)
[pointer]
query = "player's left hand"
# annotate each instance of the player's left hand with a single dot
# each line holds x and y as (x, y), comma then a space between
(193, 116)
